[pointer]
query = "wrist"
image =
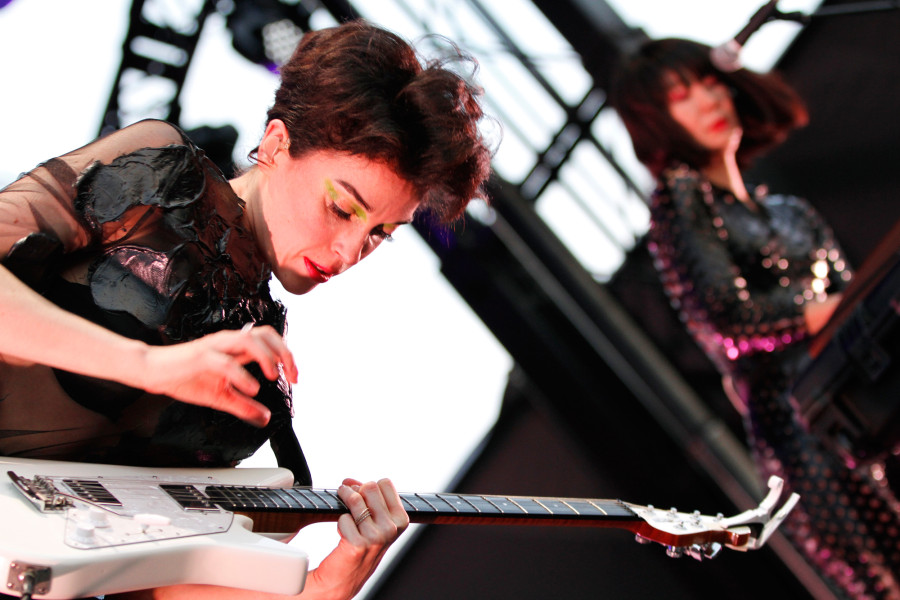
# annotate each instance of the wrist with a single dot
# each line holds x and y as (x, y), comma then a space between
(132, 361)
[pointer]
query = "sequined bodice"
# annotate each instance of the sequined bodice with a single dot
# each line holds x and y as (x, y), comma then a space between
(739, 272)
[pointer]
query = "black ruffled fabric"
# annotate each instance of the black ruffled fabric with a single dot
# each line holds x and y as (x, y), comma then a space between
(185, 268)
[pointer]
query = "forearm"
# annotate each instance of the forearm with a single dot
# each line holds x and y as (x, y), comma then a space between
(34, 330)
(315, 589)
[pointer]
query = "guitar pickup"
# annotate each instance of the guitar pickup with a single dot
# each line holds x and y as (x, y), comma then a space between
(188, 497)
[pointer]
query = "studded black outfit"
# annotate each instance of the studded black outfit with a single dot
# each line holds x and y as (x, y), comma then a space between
(739, 274)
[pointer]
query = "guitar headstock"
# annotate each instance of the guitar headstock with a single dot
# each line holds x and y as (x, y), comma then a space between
(702, 536)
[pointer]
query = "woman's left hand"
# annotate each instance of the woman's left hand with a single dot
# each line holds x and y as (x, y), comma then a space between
(376, 519)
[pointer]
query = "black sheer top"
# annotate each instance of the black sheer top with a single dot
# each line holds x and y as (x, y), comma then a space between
(141, 233)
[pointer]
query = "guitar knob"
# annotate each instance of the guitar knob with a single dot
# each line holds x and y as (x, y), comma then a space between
(674, 551)
(98, 517)
(641, 540)
(84, 533)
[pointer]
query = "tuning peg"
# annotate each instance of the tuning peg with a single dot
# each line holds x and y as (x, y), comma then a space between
(703, 551)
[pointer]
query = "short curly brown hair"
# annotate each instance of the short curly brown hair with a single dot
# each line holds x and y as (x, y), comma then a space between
(767, 107)
(361, 89)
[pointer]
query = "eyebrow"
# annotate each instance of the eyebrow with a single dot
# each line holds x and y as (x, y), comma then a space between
(347, 186)
(352, 190)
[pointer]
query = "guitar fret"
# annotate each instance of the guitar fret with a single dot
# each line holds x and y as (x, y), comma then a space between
(415, 504)
(263, 496)
(335, 502)
(467, 501)
(299, 498)
(507, 505)
(278, 497)
(437, 502)
(594, 504)
(483, 505)
(257, 498)
(555, 507)
(458, 503)
(525, 503)
(425, 500)
(243, 498)
(316, 499)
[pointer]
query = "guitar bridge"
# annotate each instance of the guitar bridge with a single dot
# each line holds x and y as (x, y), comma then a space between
(41, 492)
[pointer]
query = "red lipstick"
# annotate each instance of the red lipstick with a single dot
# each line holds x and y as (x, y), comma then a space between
(317, 273)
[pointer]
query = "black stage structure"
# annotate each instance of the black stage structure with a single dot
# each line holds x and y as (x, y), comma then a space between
(609, 398)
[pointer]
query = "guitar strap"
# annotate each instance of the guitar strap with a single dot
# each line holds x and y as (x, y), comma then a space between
(289, 454)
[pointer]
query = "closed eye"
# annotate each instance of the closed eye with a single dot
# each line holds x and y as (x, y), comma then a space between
(339, 212)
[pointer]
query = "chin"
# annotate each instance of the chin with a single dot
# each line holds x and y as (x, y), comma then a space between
(296, 285)
(301, 288)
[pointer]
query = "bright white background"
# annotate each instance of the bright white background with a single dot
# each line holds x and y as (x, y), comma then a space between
(398, 377)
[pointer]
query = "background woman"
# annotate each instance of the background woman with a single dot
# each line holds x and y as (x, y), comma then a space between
(135, 314)
(753, 275)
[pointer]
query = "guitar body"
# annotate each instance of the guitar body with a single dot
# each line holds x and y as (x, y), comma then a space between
(145, 543)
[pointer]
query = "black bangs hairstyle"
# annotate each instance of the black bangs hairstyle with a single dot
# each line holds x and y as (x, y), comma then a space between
(767, 107)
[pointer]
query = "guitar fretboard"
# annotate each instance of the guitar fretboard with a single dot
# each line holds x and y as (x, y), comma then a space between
(423, 508)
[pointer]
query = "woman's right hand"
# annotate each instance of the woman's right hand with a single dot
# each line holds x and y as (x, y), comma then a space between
(207, 372)
(818, 312)
(210, 371)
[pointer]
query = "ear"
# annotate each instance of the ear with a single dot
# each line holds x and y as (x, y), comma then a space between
(275, 138)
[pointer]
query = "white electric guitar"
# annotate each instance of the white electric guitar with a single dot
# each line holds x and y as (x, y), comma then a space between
(70, 530)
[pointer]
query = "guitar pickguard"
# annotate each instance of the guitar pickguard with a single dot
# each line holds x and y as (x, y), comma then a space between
(106, 512)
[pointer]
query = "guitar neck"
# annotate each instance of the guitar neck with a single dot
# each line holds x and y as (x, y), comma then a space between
(288, 507)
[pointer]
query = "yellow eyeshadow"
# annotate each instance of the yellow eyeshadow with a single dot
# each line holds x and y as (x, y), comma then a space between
(329, 187)
(355, 208)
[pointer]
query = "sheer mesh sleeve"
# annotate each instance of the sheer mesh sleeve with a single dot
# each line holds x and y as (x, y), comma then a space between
(41, 202)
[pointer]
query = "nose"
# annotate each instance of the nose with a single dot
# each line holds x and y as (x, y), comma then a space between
(350, 246)
(706, 96)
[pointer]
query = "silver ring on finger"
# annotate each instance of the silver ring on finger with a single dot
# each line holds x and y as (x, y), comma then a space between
(362, 516)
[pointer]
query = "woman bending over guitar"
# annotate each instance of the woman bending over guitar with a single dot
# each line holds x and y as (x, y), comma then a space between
(135, 313)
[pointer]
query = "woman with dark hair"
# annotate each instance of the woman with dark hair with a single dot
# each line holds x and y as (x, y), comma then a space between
(136, 323)
(753, 275)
